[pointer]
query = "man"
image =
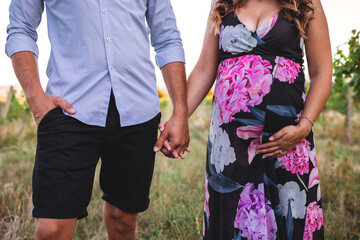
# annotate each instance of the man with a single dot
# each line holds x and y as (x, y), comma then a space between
(101, 101)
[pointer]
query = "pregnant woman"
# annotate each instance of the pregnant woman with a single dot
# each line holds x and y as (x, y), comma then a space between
(262, 177)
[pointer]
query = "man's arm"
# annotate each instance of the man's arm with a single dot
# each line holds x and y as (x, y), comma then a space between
(166, 40)
(26, 70)
(165, 36)
(176, 131)
(25, 17)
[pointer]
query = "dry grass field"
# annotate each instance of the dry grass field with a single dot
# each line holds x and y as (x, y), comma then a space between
(177, 190)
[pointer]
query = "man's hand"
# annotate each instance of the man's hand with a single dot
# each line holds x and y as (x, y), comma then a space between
(174, 138)
(26, 70)
(42, 104)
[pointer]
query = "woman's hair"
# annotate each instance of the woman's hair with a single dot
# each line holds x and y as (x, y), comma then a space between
(298, 11)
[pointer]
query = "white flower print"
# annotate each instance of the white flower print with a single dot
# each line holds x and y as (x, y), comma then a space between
(214, 123)
(222, 154)
(302, 43)
(237, 39)
(290, 194)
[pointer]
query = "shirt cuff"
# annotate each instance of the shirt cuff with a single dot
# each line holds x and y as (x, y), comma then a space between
(20, 42)
(169, 55)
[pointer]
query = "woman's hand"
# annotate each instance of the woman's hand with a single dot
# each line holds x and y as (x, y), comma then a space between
(318, 53)
(166, 148)
(284, 140)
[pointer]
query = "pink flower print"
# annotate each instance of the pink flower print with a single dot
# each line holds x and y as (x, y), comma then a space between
(254, 217)
(287, 70)
(314, 174)
(314, 220)
(247, 132)
(207, 196)
(241, 81)
(203, 227)
(297, 159)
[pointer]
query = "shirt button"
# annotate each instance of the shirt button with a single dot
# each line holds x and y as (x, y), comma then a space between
(108, 39)
(111, 68)
(104, 11)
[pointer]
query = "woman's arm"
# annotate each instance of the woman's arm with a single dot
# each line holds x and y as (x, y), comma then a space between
(319, 58)
(318, 52)
(203, 75)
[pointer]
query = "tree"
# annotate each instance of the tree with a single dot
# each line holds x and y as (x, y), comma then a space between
(347, 67)
(12, 110)
(347, 73)
(5, 108)
(17, 109)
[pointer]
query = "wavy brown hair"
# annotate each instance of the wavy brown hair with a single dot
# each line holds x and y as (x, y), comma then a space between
(298, 11)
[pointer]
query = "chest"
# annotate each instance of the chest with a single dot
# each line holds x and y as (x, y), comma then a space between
(94, 6)
(255, 14)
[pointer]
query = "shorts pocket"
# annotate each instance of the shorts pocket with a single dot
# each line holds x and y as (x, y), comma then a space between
(47, 115)
(154, 122)
(157, 118)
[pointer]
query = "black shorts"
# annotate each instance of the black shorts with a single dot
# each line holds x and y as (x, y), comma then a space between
(68, 152)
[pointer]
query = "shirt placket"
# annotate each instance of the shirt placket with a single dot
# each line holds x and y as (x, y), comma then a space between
(109, 42)
(108, 37)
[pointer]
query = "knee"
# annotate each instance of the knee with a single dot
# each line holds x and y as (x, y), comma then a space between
(123, 222)
(53, 229)
(46, 230)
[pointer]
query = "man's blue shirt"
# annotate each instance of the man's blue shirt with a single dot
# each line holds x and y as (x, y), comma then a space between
(99, 45)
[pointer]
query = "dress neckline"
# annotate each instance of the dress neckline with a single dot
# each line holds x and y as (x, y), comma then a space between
(276, 15)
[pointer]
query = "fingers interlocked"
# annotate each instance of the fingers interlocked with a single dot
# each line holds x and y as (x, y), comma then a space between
(172, 142)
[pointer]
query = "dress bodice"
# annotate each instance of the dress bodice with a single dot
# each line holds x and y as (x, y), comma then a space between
(278, 38)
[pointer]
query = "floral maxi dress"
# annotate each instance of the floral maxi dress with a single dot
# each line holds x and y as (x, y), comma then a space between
(260, 88)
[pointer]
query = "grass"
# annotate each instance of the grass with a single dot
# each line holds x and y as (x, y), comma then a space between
(177, 192)
(340, 177)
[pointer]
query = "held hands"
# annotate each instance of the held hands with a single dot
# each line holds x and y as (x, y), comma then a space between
(42, 104)
(174, 138)
(284, 140)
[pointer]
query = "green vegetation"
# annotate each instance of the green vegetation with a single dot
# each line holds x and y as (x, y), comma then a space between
(339, 97)
(345, 94)
(17, 109)
(347, 66)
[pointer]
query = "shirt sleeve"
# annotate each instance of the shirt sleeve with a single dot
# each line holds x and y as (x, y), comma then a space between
(25, 17)
(165, 36)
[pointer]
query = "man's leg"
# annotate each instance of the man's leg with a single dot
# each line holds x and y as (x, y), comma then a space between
(119, 224)
(54, 229)
(66, 157)
(127, 163)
